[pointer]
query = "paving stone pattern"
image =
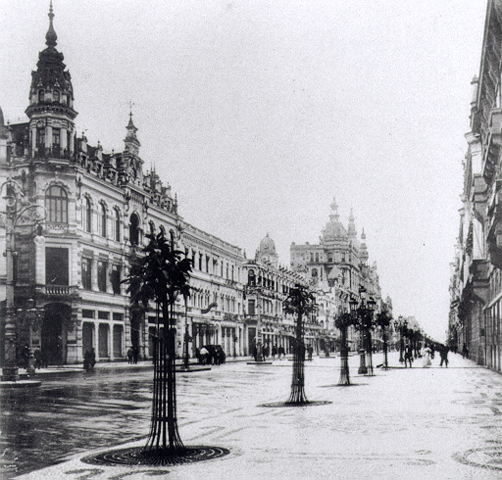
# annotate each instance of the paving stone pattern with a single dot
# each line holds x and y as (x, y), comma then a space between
(436, 423)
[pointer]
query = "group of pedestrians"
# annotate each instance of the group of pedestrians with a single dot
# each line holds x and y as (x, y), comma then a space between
(427, 354)
(266, 351)
(132, 355)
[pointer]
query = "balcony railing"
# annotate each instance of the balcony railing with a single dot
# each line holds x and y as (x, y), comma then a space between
(59, 290)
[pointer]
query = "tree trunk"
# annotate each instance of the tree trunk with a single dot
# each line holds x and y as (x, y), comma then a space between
(164, 437)
(298, 396)
(369, 350)
(344, 359)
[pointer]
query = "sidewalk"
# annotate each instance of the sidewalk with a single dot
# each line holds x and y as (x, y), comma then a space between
(75, 370)
(438, 423)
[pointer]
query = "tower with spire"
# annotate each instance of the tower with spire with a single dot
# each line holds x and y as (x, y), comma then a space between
(338, 258)
(50, 111)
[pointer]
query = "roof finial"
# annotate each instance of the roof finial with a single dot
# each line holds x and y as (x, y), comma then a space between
(50, 36)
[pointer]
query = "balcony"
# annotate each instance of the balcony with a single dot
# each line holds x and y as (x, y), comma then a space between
(60, 290)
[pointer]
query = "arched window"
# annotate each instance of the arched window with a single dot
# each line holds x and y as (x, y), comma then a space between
(117, 225)
(134, 229)
(314, 272)
(102, 214)
(87, 215)
(251, 278)
(56, 204)
(40, 96)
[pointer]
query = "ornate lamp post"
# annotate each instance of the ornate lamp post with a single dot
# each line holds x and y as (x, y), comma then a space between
(12, 216)
(401, 325)
(363, 321)
(383, 320)
(342, 322)
(369, 319)
(187, 336)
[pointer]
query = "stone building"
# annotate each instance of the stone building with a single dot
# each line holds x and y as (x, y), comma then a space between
(338, 267)
(80, 214)
(476, 278)
(267, 285)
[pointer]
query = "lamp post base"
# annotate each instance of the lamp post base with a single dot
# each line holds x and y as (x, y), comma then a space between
(363, 370)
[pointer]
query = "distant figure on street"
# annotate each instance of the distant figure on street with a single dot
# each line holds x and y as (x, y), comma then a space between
(310, 351)
(38, 358)
(135, 354)
(274, 351)
(408, 356)
(204, 355)
(443, 353)
(129, 355)
(465, 351)
(25, 355)
(87, 360)
(281, 352)
(427, 353)
(92, 358)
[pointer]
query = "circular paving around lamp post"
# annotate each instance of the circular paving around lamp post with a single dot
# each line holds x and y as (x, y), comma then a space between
(293, 404)
(138, 456)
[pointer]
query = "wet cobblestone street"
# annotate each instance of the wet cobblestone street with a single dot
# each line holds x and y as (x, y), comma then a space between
(400, 423)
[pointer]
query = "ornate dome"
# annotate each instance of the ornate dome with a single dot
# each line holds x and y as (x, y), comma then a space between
(267, 246)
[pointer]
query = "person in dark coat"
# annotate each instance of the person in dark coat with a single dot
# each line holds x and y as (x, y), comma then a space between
(38, 358)
(408, 356)
(274, 351)
(87, 360)
(92, 359)
(443, 353)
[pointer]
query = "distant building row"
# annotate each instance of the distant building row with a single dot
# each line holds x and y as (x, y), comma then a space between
(72, 251)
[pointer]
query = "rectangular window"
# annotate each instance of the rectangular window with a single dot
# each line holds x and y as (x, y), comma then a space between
(87, 313)
(41, 136)
(119, 317)
(104, 315)
(115, 279)
(86, 273)
(102, 267)
(251, 307)
(56, 266)
(56, 136)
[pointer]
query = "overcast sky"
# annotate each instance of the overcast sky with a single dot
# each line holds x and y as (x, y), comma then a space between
(259, 112)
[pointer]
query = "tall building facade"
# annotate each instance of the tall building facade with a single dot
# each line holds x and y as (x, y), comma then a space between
(476, 278)
(80, 216)
(338, 267)
(267, 285)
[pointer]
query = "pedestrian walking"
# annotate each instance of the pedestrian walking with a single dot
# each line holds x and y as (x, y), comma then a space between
(92, 359)
(274, 351)
(427, 357)
(204, 355)
(129, 355)
(408, 356)
(38, 357)
(87, 360)
(465, 351)
(443, 353)
(281, 352)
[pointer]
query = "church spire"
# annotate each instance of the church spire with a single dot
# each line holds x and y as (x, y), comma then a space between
(352, 225)
(131, 141)
(50, 36)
